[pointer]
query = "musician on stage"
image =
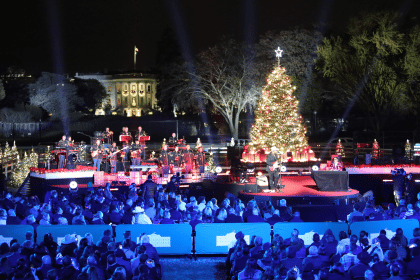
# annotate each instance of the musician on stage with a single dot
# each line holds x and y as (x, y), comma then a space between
(125, 131)
(113, 156)
(136, 153)
(173, 140)
(96, 152)
(188, 159)
(176, 157)
(107, 135)
(63, 144)
(164, 160)
(125, 155)
(141, 133)
(273, 168)
(336, 164)
(200, 159)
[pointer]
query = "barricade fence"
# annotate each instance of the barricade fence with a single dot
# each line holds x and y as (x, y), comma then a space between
(180, 239)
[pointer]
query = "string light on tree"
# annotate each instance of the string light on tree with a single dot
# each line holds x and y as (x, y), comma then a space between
(277, 120)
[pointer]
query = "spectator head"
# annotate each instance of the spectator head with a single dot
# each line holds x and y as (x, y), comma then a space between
(258, 241)
(119, 253)
(394, 269)
(342, 235)
(364, 242)
(255, 211)
(143, 258)
(15, 247)
(402, 202)
(201, 199)
(353, 239)
(356, 207)
(66, 261)
(315, 237)
(110, 259)
(283, 202)
(342, 249)
(214, 201)
(167, 214)
(52, 274)
(11, 213)
(46, 259)
(295, 233)
(92, 261)
(29, 235)
(62, 221)
(276, 212)
(111, 246)
(313, 250)
(297, 214)
(127, 234)
(410, 207)
(4, 248)
(144, 239)
(369, 275)
(208, 211)
(364, 257)
(382, 232)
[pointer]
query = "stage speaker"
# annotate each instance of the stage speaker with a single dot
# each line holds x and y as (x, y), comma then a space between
(250, 188)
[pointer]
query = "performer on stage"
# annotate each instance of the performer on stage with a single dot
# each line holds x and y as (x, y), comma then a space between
(136, 153)
(107, 135)
(200, 159)
(336, 164)
(96, 152)
(198, 144)
(141, 133)
(173, 140)
(273, 168)
(113, 156)
(176, 157)
(125, 156)
(188, 159)
(63, 144)
(164, 160)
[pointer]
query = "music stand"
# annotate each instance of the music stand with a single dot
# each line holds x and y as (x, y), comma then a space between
(125, 138)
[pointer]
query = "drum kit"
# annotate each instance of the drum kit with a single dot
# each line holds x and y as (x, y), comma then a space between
(74, 153)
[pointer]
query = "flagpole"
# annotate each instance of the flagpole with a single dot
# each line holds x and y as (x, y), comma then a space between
(135, 54)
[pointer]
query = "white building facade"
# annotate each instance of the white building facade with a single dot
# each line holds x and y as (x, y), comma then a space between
(129, 94)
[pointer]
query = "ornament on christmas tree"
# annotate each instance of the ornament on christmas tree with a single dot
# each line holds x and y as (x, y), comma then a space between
(291, 133)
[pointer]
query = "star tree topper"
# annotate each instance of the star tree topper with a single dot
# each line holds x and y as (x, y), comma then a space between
(279, 53)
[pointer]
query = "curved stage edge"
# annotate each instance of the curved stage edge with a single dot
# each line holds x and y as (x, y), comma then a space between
(298, 190)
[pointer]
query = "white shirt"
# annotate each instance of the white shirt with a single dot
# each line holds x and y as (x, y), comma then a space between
(141, 219)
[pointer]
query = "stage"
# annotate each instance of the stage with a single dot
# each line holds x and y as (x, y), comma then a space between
(297, 190)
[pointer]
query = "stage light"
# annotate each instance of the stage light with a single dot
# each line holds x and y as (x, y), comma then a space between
(259, 173)
(219, 169)
(73, 186)
(283, 168)
(315, 168)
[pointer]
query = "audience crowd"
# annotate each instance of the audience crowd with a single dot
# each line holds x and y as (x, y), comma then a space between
(329, 257)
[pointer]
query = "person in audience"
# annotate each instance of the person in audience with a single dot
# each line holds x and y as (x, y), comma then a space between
(296, 218)
(369, 275)
(313, 258)
(140, 218)
(284, 212)
(167, 218)
(413, 266)
(275, 218)
(221, 217)
(358, 270)
(150, 249)
(232, 217)
(250, 271)
(12, 219)
(356, 213)
(255, 217)
(383, 240)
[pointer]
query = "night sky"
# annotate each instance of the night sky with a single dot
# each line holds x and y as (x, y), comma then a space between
(90, 35)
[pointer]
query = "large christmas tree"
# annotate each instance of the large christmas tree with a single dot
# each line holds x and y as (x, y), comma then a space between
(277, 120)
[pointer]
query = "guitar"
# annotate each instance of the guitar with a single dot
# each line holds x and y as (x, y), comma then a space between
(275, 166)
(95, 153)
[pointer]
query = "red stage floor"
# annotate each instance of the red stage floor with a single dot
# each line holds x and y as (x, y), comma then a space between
(302, 186)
